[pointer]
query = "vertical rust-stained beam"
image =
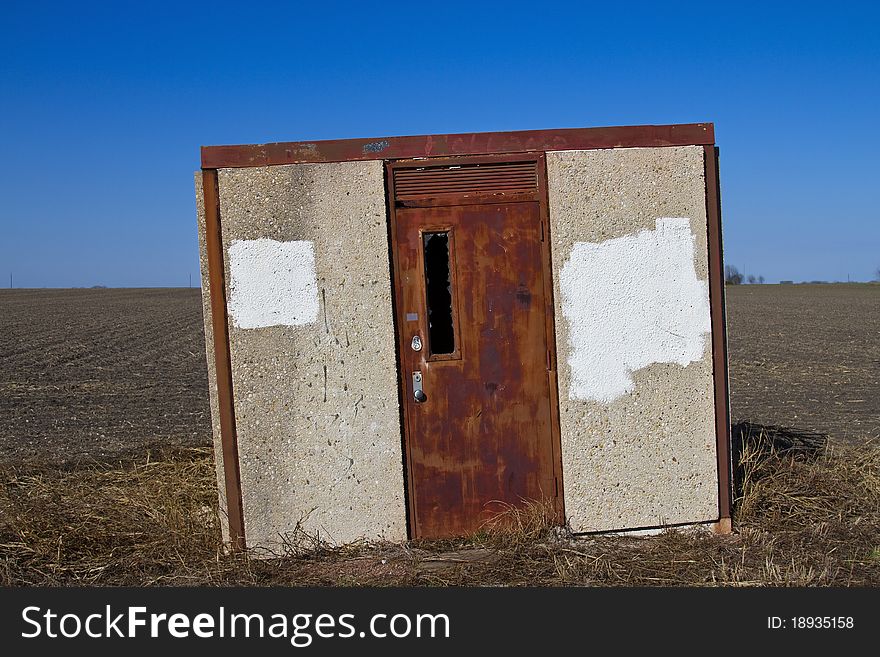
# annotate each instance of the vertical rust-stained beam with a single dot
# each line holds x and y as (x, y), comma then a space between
(719, 336)
(214, 247)
(550, 337)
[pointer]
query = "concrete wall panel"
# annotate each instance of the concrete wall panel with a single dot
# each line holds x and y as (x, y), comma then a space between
(313, 358)
(630, 257)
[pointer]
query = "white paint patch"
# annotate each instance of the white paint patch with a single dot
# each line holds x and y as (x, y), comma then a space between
(630, 302)
(273, 283)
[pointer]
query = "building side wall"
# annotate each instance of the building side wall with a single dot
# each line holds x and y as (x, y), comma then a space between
(312, 345)
(633, 332)
(313, 353)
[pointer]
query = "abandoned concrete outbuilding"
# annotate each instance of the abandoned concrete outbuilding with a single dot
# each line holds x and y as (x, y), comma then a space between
(408, 335)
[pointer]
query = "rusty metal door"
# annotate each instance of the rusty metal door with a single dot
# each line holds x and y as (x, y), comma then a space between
(475, 339)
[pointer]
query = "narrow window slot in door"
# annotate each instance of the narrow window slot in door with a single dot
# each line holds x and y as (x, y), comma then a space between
(438, 292)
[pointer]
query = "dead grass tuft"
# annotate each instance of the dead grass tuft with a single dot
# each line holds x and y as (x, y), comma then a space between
(806, 515)
(786, 485)
(514, 526)
(149, 523)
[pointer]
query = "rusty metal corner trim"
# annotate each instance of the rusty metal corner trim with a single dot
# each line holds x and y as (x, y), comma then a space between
(222, 358)
(719, 331)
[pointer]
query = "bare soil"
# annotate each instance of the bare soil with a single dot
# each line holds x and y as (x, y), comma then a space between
(806, 356)
(102, 374)
(112, 374)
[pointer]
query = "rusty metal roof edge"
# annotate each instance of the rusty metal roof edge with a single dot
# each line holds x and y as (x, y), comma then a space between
(478, 143)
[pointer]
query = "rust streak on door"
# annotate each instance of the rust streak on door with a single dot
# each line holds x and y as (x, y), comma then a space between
(483, 437)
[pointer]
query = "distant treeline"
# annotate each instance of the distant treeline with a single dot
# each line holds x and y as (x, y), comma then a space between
(733, 276)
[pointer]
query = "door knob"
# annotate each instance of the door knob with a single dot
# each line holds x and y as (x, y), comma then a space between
(418, 394)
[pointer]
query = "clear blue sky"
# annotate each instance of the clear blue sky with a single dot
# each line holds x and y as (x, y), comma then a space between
(103, 109)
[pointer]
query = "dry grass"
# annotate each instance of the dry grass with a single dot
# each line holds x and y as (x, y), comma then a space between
(805, 515)
(153, 523)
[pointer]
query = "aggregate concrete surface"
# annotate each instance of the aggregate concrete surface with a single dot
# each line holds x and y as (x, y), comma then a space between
(648, 457)
(316, 405)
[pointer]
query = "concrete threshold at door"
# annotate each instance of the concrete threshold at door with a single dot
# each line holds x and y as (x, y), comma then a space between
(448, 560)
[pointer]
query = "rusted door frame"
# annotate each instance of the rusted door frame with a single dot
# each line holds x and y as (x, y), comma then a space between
(547, 276)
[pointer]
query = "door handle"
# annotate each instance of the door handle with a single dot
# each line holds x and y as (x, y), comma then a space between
(418, 394)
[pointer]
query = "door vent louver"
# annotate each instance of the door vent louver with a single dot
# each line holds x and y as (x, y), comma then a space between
(492, 178)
